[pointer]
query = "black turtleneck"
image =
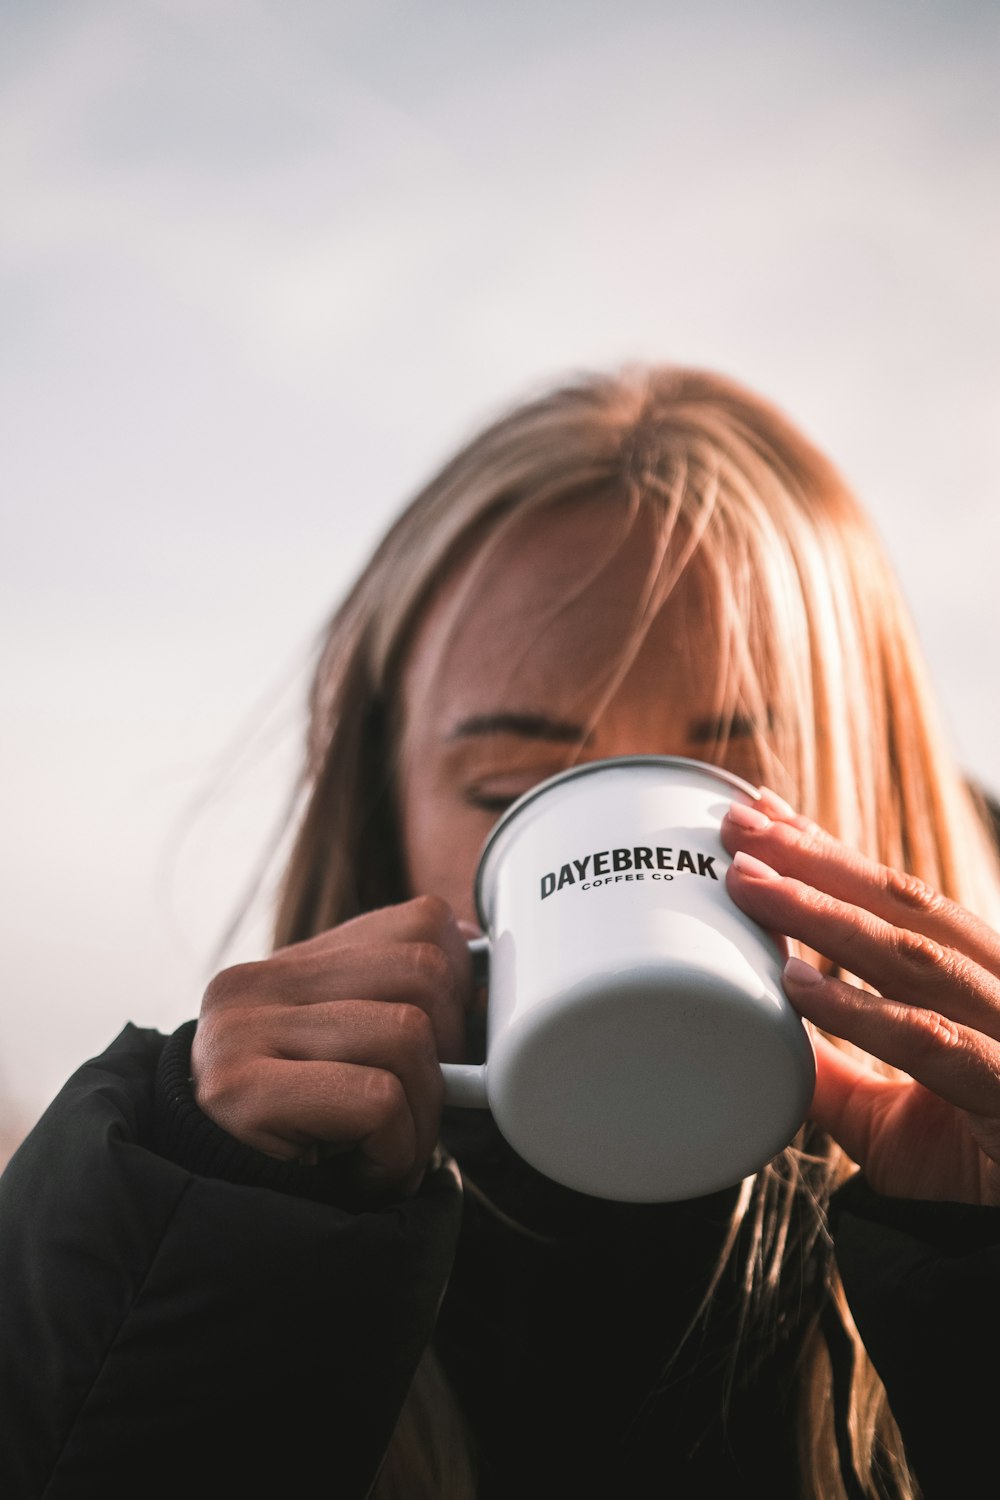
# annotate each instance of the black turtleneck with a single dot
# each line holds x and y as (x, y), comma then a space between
(563, 1334)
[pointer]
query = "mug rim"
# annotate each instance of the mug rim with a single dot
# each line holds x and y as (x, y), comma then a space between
(586, 768)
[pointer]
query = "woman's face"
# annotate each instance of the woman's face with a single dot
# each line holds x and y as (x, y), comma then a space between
(502, 699)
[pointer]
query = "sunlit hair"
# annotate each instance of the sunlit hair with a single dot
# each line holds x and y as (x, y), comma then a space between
(814, 649)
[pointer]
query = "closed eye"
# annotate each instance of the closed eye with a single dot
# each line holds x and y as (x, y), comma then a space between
(491, 802)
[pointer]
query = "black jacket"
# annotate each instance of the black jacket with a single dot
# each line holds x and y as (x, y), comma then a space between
(183, 1316)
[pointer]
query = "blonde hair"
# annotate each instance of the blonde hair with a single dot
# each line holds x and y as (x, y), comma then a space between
(815, 650)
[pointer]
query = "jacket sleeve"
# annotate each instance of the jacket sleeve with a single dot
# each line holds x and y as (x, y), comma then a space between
(923, 1283)
(169, 1330)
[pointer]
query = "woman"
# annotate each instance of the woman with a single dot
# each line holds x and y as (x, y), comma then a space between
(255, 1258)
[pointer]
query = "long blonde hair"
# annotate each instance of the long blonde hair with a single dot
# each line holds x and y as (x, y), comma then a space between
(815, 650)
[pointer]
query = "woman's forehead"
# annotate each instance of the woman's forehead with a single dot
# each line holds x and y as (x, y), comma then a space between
(544, 618)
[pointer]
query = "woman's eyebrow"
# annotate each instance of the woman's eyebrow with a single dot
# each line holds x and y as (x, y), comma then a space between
(724, 727)
(526, 726)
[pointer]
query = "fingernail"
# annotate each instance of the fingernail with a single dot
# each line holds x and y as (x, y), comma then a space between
(748, 817)
(799, 972)
(747, 865)
(778, 804)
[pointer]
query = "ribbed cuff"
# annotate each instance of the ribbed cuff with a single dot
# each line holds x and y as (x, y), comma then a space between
(185, 1135)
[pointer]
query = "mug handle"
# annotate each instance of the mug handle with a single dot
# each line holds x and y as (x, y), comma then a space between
(465, 1083)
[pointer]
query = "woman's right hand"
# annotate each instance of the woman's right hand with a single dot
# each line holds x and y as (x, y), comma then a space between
(335, 1042)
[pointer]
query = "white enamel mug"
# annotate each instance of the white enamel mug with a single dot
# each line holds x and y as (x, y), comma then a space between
(639, 1044)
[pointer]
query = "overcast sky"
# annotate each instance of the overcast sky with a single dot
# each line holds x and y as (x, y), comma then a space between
(264, 263)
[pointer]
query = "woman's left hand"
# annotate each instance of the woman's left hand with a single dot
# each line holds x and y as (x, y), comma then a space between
(936, 1016)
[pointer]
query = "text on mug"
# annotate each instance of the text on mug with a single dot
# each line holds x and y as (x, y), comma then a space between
(636, 858)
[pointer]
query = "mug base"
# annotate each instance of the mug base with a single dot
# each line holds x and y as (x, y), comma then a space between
(647, 1096)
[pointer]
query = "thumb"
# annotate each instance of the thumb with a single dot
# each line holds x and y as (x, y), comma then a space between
(850, 1098)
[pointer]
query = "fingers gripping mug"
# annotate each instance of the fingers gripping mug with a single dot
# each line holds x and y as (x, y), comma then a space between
(639, 1044)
